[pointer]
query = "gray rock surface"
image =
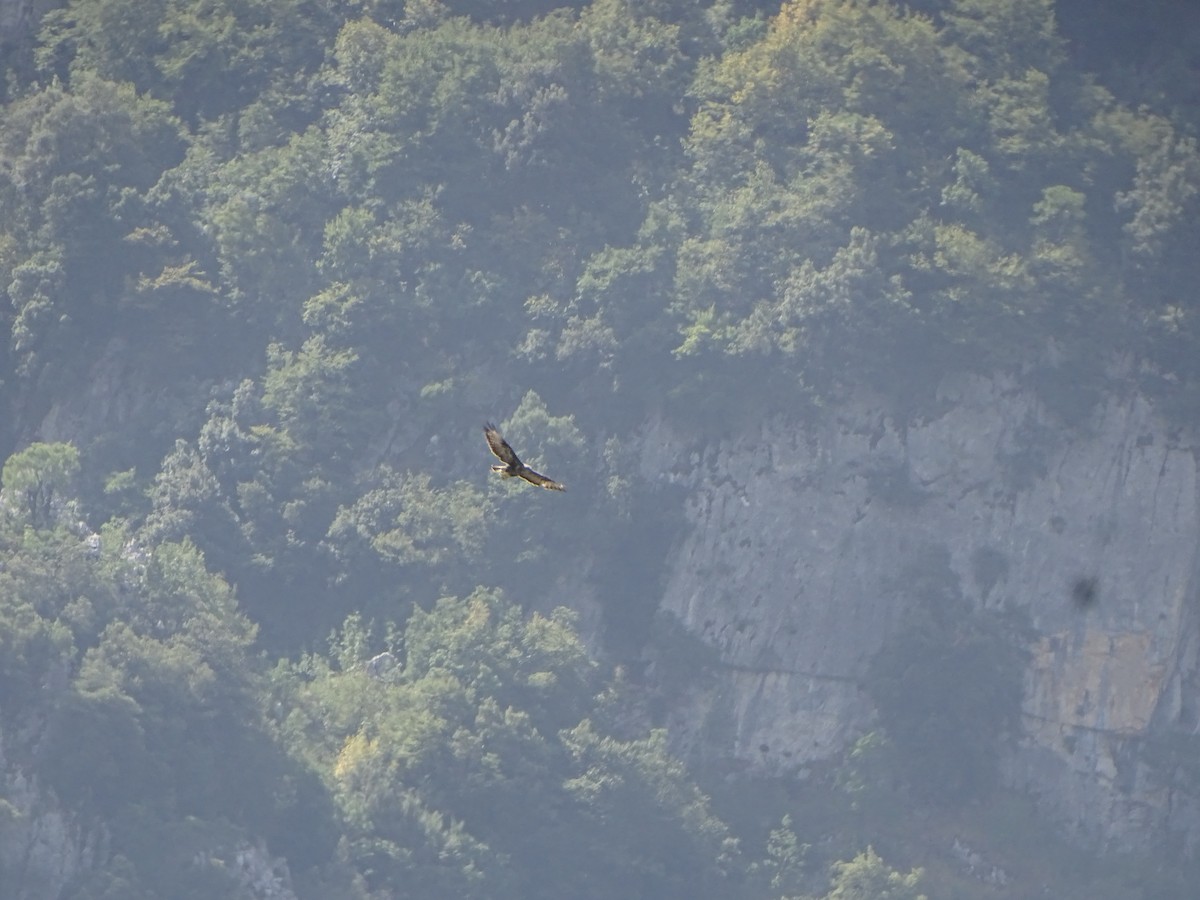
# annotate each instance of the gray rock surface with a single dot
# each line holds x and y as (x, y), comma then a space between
(792, 568)
(42, 845)
(260, 874)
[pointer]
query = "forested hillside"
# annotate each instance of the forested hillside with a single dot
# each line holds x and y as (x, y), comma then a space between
(267, 266)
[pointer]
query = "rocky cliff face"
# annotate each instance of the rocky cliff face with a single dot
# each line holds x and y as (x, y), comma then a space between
(43, 846)
(798, 536)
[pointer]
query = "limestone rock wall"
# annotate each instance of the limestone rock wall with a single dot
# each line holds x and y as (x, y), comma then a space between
(799, 534)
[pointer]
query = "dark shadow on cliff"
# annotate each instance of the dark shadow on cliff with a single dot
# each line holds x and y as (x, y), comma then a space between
(631, 566)
(947, 686)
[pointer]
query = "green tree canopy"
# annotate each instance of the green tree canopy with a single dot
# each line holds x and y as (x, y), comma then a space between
(37, 482)
(473, 765)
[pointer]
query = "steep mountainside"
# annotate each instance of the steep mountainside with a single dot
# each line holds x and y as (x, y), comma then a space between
(863, 332)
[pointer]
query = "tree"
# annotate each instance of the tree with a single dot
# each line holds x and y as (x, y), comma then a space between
(404, 534)
(160, 735)
(207, 59)
(986, 234)
(1005, 38)
(37, 482)
(867, 877)
(475, 766)
(782, 869)
(76, 170)
(654, 832)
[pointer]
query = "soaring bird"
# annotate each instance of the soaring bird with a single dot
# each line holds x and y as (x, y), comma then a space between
(512, 463)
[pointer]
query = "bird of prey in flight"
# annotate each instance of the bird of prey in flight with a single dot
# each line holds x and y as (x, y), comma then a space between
(512, 463)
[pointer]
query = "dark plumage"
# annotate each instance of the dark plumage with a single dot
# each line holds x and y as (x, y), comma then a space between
(512, 463)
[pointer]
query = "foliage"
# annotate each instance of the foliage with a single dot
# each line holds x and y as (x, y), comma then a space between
(77, 168)
(824, 213)
(36, 480)
(477, 770)
(867, 877)
(208, 58)
(133, 671)
(268, 266)
(783, 867)
(865, 772)
(406, 521)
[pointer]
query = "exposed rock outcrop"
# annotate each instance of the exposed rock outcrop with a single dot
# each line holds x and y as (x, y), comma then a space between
(43, 846)
(261, 875)
(799, 537)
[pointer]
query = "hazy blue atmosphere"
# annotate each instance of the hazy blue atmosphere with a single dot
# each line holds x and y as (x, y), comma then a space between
(864, 338)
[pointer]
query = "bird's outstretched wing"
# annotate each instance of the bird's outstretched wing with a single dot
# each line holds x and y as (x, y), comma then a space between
(540, 480)
(499, 446)
(512, 463)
